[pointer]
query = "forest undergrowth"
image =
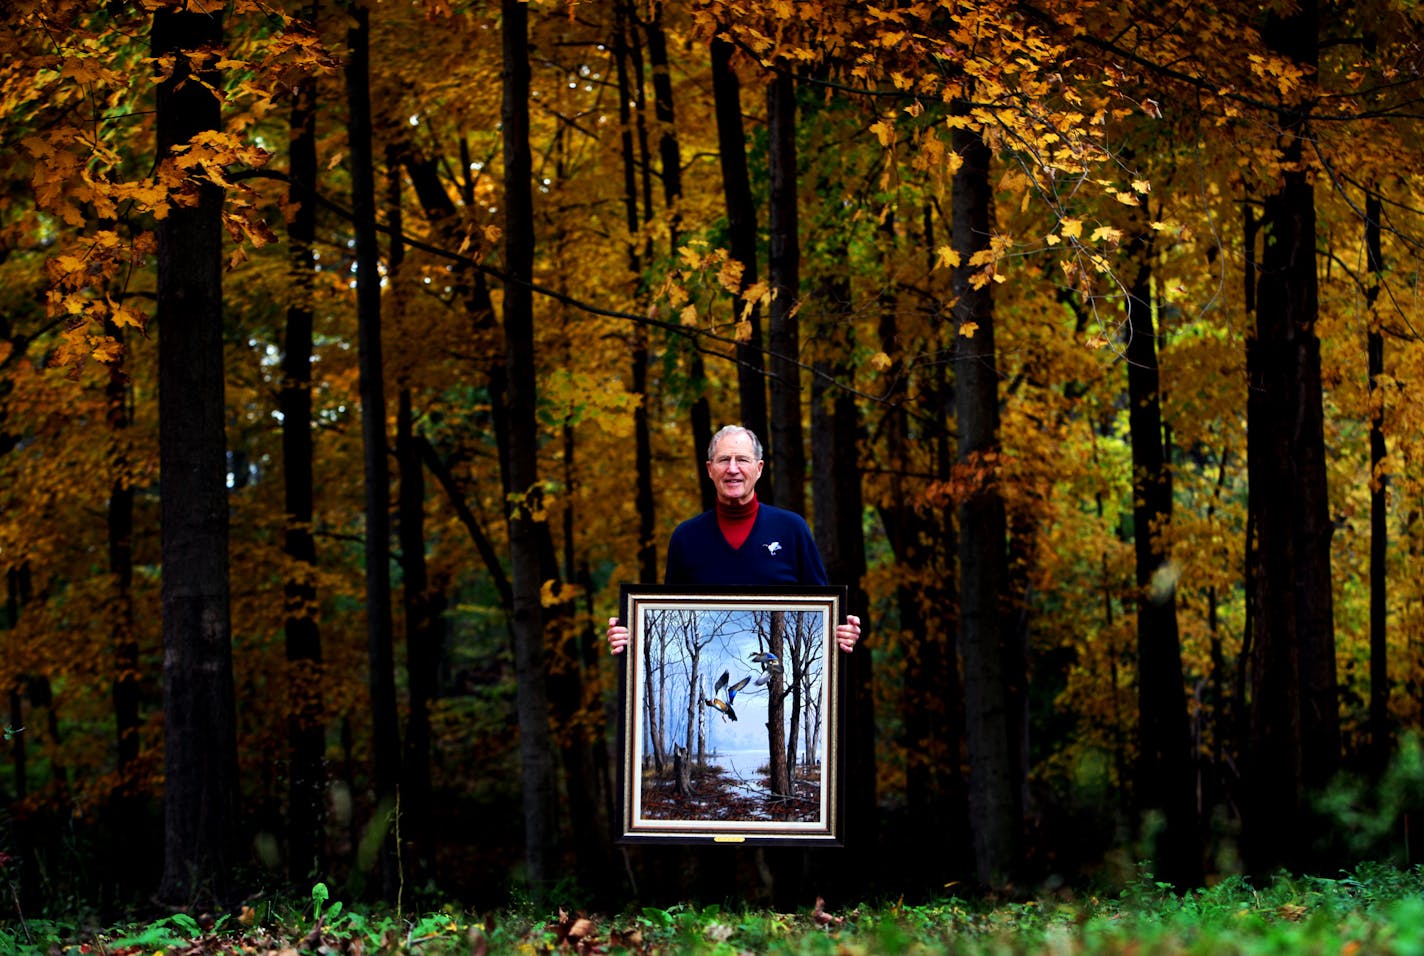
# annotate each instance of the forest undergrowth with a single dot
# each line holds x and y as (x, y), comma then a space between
(1373, 909)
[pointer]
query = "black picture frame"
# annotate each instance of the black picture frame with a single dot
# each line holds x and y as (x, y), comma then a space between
(701, 761)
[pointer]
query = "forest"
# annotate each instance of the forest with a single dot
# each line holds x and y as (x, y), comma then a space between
(354, 355)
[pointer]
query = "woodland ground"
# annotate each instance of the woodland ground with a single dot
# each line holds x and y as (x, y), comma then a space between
(1372, 910)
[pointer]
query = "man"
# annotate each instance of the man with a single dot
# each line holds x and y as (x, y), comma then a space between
(742, 542)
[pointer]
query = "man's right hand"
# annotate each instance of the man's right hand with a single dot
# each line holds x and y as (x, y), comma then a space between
(617, 636)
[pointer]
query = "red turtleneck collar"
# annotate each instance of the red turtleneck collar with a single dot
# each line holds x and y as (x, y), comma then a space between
(736, 520)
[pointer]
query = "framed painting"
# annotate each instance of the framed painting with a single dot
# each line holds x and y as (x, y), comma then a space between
(730, 728)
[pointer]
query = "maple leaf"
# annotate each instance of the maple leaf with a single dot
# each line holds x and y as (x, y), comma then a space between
(1071, 228)
(967, 329)
(730, 275)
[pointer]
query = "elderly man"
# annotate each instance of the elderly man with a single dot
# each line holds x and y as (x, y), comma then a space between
(741, 541)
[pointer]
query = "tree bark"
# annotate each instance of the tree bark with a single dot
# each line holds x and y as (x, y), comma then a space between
(1166, 778)
(1381, 726)
(779, 772)
(306, 732)
(742, 229)
(784, 276)
(1294, 711)
(385, 727)
(200, 752)
(995, 804)
(535, 748)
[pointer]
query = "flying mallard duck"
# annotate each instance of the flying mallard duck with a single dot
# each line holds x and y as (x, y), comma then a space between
(725, 706)
(768, 661)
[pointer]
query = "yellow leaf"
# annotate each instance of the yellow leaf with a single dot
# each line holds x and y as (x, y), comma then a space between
(880, 361)
(107, 350)
(689, 315)
(885, 131)
(730, 275)
(1071, 228)
(967, 329)
(1141, 185)
(1106, 234)
(947, 256)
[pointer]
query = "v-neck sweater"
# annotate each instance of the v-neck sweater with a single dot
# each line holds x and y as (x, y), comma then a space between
(777, 549)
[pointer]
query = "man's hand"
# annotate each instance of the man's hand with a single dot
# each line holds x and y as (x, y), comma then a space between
(617, 636)
(847, 634)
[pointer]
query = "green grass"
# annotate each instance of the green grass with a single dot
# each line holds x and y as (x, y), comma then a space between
(1372, 911)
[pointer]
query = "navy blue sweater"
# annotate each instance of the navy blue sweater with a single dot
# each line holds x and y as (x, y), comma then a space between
(778, 550)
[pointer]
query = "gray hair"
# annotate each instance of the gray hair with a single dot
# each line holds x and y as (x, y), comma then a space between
(727, 430)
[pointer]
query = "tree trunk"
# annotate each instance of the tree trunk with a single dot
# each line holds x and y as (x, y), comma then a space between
(670, 172)
(121, 566)
(422, 643)
(535, 746)
(646, 503)
(1294, 712)
(838, 502)
(1166, 776)
(306, 731)
(784, 276)
(200, 759)
(1381, 727)
(742, 229)
(994, 775)
(385, 727)
(780, 774)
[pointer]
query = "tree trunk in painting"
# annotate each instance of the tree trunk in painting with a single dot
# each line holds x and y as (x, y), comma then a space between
(779, 775)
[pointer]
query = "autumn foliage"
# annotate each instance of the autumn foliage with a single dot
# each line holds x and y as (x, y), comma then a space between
(1143, 166)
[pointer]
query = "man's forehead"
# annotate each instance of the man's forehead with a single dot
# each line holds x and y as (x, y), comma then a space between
(735, 442)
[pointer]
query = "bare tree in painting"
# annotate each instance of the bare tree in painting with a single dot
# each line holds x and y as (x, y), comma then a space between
(655, 696)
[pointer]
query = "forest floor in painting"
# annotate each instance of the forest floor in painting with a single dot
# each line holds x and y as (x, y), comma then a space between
(1374, 910)
(721, 796)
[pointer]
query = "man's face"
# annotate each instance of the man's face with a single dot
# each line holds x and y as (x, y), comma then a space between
(734, 469)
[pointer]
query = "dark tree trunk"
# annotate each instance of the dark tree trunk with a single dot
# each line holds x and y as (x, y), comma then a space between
(306, 731)
(923, 542)
(1166, 775)
(670, 156)
(646, 503)
(422, 643)
(385, 726)
(200, 762)
(784, 276)
(989, 662)
(837, 500)
(535, 746)
(1294, 712)
(1381, 728)
(121, 527)
(742, 230)
(422, 626)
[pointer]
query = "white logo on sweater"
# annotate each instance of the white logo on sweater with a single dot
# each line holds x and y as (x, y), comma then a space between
(774, 547)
